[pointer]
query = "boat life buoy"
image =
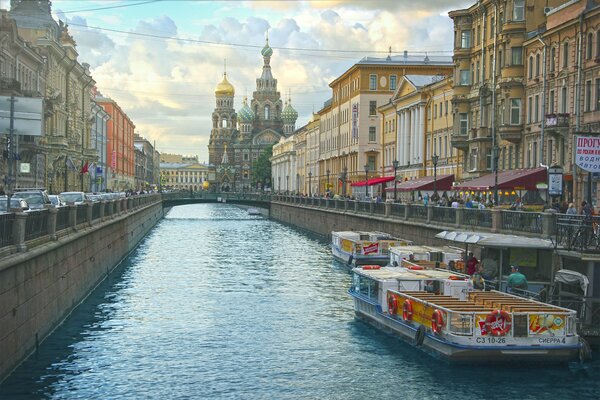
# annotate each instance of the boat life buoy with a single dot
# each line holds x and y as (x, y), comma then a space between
(415, 267)
(437, 321)
(498, 323)
(392, 304)
(407, 310)
(420, 335)
(371, 267)
(456, 278)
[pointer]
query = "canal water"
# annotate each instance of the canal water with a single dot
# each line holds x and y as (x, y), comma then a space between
(218, 304)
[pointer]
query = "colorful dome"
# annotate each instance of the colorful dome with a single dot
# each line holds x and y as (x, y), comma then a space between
(289, 115)
(245, 114)
(225, 88)
(267, 51)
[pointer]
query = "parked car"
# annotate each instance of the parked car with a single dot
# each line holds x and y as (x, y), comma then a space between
(37, 199)
(56, 200)
(73, 197)
(15, 202)
(93, 197)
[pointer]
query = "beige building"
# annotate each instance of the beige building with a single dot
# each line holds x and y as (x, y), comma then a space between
(351, 137)
(184, 176)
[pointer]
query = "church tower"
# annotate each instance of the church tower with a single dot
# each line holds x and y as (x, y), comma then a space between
(289, 117)
(266, 100)
(224, 120)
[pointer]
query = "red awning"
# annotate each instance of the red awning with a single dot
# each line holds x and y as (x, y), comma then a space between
(524, 179)
(374, 181)
(444, 183)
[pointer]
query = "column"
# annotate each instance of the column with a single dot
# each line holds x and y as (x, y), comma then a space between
(406, 137)
(422, 133)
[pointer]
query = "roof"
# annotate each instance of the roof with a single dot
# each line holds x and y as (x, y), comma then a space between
(496, 240)
(525, 179)
(443, 183)
(419, 81)
(409, 59)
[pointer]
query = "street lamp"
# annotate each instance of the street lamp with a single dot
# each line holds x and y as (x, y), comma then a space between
(435, 159)
(309, 188)
(495, 168)
(327, 173)
(366, 181)
(395, 164)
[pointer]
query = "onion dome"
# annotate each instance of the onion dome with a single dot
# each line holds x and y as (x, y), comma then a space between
(289, 115)
(245, 114)
(225, 88)
(267, 51)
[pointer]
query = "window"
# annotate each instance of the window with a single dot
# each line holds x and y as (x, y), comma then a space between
(500, 59)
(518, 10)
(372, 82)
(372, 134)
(464, 77)
(435, 111)
(551, 108)
(463, 123)
(267, 112)
(530, 72)
(563, 100)
(478, 72)
(371, 163)
(565, 55)
(598, 44)
(517, 55)
(510, 157)
(537, 65)
(465, 39)
(597, 105)
(393, 82)
(588, 95)
(446, 106)
(537, 108)
(372, 107)
(588, 52)
(529, 109)
(488, 159)
(515, 111)
(473, 160)
(478, 33)
(492, 27)
(552, 59)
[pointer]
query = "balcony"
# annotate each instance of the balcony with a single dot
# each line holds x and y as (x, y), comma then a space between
(511, 133)
(459, 140)
(9, 85)
(557, 120)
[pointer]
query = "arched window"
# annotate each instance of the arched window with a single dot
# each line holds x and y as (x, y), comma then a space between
(537, 65)
(530, 67)
(552, 59)
(267, 112)
(598, 44)
(588, 52)
(224, 123)
(565, 54)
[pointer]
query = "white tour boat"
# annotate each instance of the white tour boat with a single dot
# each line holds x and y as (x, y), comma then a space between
(359, 248)
(440, 312)
(425, 255)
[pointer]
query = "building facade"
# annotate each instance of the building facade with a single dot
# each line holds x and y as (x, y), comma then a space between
(150, 178)
(99, 142)
(184, 176)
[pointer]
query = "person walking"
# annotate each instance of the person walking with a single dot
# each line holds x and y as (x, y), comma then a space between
(571, 210)
(472, 262)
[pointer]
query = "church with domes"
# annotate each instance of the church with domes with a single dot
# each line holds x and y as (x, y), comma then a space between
(238, 138)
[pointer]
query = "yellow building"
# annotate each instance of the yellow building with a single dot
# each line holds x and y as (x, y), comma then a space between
(183, 176)
(350, 131)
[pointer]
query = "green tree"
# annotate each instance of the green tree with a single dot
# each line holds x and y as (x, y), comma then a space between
(261, 168)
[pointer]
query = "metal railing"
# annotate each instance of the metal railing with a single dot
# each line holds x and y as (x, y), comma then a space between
(96, 210)
(444, 215)
(81, 213)
(36, 224)
(522, 221)
(397, 210)
(6, 229)
(577, 232)
(418, 211)
(62, 218)
(477, 217)
(379, 208)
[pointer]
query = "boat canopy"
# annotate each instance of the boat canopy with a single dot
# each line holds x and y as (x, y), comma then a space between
(496, 240)
(443, 183)
(374, 181)
(572, 278)
(516, 179)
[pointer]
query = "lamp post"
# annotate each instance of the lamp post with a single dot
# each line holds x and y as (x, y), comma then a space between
(366, 181)
(435, 159)
(309, 188)
(327, 185)
(495, 168)
(395, 164)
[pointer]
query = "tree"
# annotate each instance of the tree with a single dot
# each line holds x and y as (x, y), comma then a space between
(261, 168)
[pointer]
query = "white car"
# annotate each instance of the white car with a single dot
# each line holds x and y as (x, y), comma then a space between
(73, 197)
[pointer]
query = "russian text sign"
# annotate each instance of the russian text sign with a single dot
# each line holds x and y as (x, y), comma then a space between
(587, 153)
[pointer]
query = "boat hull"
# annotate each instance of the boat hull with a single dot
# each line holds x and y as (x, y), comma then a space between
(459, 353)
(357, 260)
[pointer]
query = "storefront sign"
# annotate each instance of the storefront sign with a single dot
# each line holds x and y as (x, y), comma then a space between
(555, 181)
(587, 153)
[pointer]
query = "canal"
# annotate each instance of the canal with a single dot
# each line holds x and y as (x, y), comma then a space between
(216, 303)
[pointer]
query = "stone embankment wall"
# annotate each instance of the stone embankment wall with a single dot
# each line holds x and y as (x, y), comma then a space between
(323, 222)
(40, 287)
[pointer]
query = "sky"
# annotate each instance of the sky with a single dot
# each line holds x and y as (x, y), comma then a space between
(160, 60)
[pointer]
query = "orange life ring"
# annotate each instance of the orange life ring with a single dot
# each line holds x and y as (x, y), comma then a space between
(392, 304)
(456, 278)
(407, 310)
(437, 321)
(498, 323)
(371, 267)
(415, 267)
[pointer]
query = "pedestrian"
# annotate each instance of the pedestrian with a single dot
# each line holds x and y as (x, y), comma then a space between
(516, 280)
(571, 210)
(478, 280)
(586, 209)
(564, 207)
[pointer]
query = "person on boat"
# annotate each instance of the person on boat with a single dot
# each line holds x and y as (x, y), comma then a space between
(472, 261)
(516, 280)
(478, 281)
(452, 266)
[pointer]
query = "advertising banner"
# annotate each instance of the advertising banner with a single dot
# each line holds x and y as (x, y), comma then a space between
(370, 248)
(587, 153)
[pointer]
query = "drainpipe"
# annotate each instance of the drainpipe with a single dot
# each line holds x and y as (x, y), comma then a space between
(577, 99)
(495, 150)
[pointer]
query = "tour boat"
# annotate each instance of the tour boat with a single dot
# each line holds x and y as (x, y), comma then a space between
(440, 312)
(254, 211)
(425, 255)
(359, 248)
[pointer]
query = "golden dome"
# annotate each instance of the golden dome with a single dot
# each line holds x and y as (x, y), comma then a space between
(225, 88)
